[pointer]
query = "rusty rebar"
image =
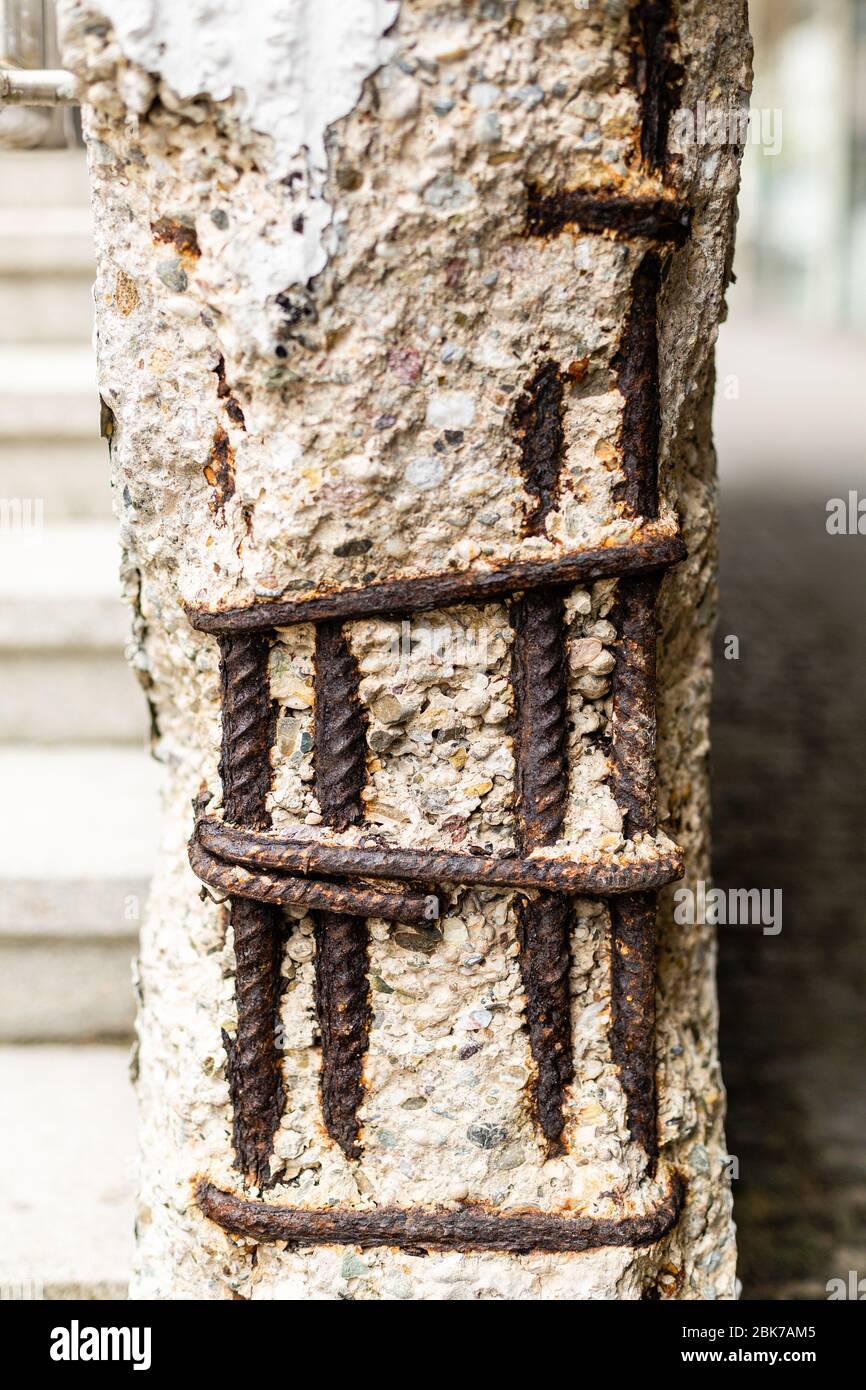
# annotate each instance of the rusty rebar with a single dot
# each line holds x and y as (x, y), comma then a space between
(599, 878)
(344, 1014)
(342, 987)
(655, 76)
(633, 1014)
(540, 734)
(650, 549)
(544, 935)
(255, 1083)
(347, 899)
(633, 917)
(538, 418)
(633, 724)
(633, 693)
(637, 367)
(340, 756)
(538, 681)
(465, 1227)
(605, 210)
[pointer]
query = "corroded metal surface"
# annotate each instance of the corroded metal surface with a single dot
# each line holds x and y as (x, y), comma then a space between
(633, 1012)
(254, 1074)
(538, 681)
(637, 368)
(544, 930)
(246, 710)
(649, 550)
(538, 417)
(465, 1227)
(541, 789)
(633, 726)
(344, 1014)
(341, 743)
(541, 766)
(655, 75)
(599, 877)
(354, 899)
(633, 723)
(342, 986)
(655, 219)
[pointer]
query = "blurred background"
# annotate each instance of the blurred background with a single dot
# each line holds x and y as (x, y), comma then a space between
(789, 739)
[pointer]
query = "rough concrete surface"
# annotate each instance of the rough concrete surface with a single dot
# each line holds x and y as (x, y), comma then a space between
(268, 435)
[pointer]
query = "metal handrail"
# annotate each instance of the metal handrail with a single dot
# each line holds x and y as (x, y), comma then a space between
(38, 87)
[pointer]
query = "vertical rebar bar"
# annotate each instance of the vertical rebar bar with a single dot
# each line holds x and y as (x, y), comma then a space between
(255, 1081)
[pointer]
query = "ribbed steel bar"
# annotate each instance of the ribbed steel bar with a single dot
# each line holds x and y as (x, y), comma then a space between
(633, 726)
(464, 1227)
(650, 549)
(342, 987)
(599, 878)
(358, 899)
(254, 1072)
(541, 787)
(344, 1013)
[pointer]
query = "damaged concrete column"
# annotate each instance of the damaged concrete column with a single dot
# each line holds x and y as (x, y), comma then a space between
(405, 319)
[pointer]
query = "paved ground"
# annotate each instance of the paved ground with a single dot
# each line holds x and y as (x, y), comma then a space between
(789, 750)
(66, 1169)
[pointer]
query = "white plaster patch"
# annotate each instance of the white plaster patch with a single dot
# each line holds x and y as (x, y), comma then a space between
(295, 69)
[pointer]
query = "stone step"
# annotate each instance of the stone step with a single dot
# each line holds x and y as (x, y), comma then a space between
(47, 240)
(45, 308)
(36, 178)
(46, 275)
(62, 634)
(82, 623)
(61, 563)
(77, 813)
(70, 476)
(75, 696)
(78, 837)
(67, 1165)
(48, 392)
(75, 940)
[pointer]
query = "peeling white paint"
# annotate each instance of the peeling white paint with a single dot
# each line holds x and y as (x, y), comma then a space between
(293, 66)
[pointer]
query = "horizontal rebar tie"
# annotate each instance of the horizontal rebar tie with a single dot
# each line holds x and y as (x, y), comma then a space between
(466, 1227)
(654, 549)
(601, 877)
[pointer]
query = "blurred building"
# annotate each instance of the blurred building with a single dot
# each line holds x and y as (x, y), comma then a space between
(802, 235)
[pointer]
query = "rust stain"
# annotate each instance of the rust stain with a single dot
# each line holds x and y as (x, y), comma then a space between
(181, 235)
(224, 393)
(577, 371)
(538, 418)
(219, 473)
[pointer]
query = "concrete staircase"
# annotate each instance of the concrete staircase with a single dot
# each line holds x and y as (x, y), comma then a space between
(79, 788)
